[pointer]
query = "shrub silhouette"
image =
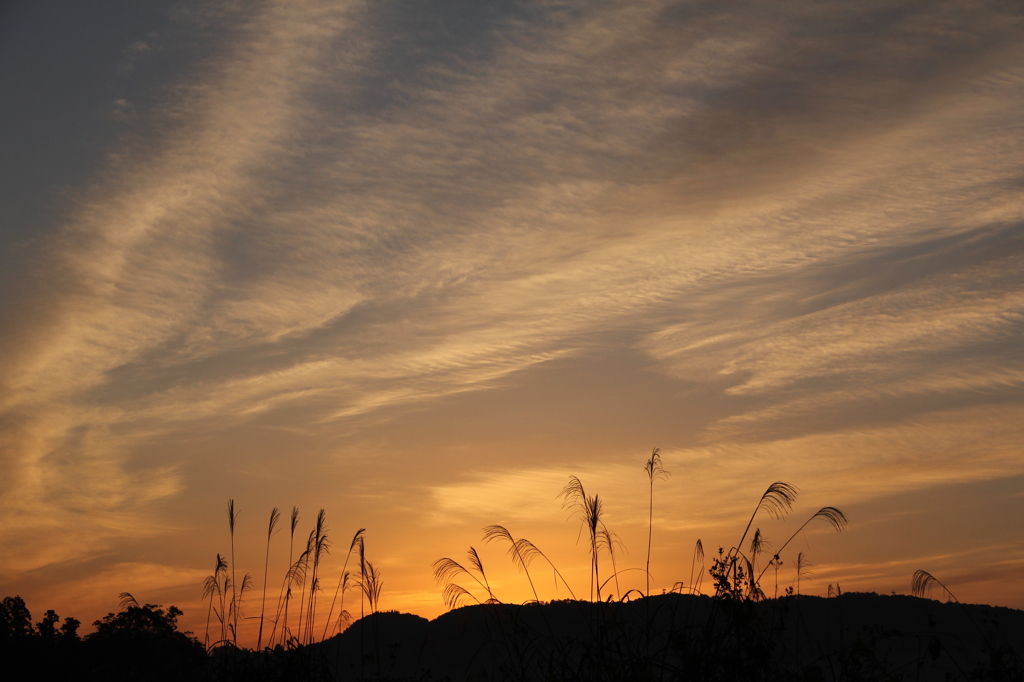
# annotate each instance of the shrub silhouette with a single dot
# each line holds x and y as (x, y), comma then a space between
(142, 642)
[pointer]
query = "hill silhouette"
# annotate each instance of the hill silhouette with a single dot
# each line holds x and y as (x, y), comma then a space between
(859, 636)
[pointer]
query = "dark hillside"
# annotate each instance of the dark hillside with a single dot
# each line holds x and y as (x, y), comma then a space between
(668, 637)
(682, 637)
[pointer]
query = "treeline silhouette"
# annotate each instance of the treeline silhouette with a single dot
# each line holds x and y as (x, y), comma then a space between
(140, 642)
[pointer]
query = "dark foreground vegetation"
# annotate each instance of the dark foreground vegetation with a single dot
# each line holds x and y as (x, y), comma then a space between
(141, 642)
(731, 630)
(665, 637)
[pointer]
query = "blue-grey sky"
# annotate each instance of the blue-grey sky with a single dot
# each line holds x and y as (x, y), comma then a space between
(417, 263)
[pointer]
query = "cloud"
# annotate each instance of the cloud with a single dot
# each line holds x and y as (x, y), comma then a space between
(793, 331)
(717, 485)
(343, 209)
(128, 272)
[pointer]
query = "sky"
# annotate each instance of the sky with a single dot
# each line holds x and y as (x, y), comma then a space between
(417, 264)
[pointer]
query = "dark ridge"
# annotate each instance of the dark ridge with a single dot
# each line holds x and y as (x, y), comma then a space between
(859, 636)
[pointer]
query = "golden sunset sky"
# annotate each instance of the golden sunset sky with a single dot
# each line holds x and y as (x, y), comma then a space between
(416, 263)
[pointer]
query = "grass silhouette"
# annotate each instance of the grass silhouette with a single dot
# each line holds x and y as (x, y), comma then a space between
(232, 515)
(590, 510)
(343, 580)
(654, 470)
(275, 516)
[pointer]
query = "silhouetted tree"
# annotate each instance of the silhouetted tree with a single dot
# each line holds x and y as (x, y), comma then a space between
(15, 620)
(51, 652)
(69, 630)
(143, 642)
(47, 627)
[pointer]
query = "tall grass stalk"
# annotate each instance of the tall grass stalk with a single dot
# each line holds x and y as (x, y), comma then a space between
(371, 585)
(232, 515)
(236, 606)
(474, 559)
(356, 539)
(831, 515)
(295, 578)
(344, 617)
(286, 586)
(758, 545)
(303, 561)
(777, 501)
(698, 554)
(590, 510)
(654, 470)
(515, 550)
(362, 573)
(212, 588)
(529, 551)
(361, 544)
(445, 572)
(321, 546)
(803, 569)
(275, 515)
(922, 581)
(608, 540)
(222, 616)
(278, 612)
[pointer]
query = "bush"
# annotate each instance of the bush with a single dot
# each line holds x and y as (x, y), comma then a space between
(142, 642)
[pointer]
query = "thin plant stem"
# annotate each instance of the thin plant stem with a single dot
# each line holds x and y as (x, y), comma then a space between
(341, 578)
(834, 517)
(654, 470)
(232, 515)
(275, 515)
(286, 591)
